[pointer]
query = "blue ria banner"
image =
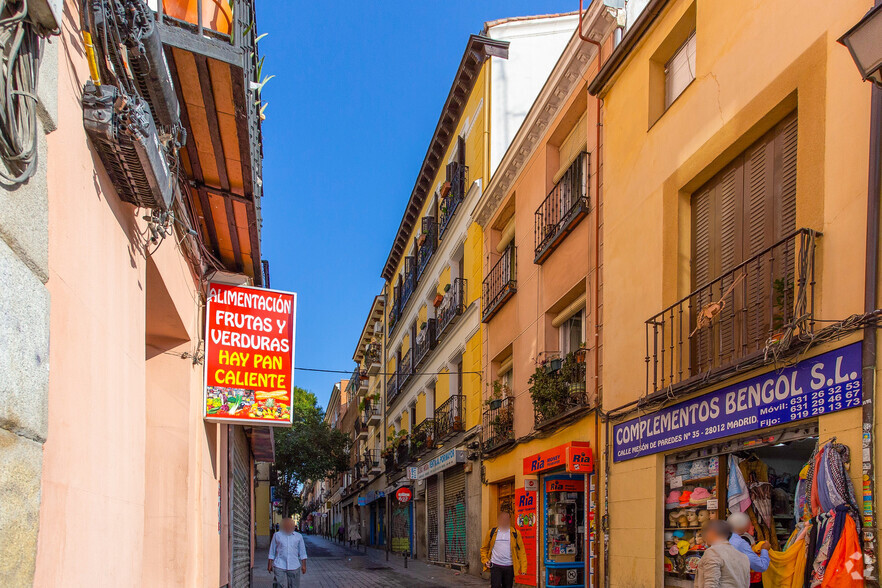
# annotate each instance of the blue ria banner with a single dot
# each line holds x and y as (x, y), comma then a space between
(825, 383)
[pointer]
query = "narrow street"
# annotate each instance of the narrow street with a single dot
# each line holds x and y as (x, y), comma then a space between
(331, 565)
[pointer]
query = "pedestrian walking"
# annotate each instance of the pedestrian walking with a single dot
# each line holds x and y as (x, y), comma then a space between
(721, 565)
(743, 541)
(340, 534)
(354, 535)
(503, 553)
(287, 556)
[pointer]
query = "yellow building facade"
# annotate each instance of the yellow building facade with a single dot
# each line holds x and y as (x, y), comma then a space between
(734, 238)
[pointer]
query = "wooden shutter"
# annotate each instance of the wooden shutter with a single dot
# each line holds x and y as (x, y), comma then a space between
(741, 212)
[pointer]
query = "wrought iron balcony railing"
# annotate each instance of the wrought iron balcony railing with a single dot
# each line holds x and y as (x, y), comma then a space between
(450, 417)
(405, 370)
(408, 281)
(458, 176)
(558, 388)
(391, 388)
(759, 305)
(423, 437)
(403, 455)
(372, 359)
(498, 429)
(562, 209)
(360, 429)
(389, 463)
(501, 283)
(427, 243)
(425, 342)
(372, 458)
(452, 306)
(371, 414)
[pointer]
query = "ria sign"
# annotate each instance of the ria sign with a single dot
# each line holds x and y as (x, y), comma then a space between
(575, 456)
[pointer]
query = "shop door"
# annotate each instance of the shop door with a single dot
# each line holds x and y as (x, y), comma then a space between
(505, 497)
(434, 542)
(240, 504)
(564, 526)
(455, 516)
(373, 537)
(401, 525)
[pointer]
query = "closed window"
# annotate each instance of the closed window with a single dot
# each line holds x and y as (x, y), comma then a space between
(680, 70)
(572, 333)
(742, 212)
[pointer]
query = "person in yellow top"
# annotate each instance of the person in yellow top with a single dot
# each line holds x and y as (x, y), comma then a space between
(503, 553)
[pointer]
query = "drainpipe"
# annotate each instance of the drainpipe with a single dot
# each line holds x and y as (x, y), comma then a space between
(869, 344)
(597, 399)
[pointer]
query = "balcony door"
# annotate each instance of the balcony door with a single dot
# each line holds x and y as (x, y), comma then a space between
(742, 212)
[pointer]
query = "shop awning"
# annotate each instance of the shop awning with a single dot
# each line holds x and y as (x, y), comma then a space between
(575, 456)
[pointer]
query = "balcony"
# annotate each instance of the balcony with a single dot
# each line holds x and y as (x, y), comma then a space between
(746, 315)
(372, 416)
(391, 388)
(498, 429)
(363, 468)
(450, 418)
(372, 359)
(558, 389)
(389, 463)
(403, 456)
(372, 459)
(358, 381)
(427, 243)
(361, 431)
(564, 207)
(405, 370)
(452, 306)
(423, 437)
(214, 64)
(425, 342)
(500, 283)
(457, 178)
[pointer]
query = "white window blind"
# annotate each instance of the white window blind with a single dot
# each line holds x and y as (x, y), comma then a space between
(680, 70)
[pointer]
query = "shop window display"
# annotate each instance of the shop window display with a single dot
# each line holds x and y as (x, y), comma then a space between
(759, 477)
(565, 531)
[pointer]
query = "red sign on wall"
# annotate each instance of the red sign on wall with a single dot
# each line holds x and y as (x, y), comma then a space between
(575, 456)
(403, 495)
(249, 354)
(526, 521)
(564, 485)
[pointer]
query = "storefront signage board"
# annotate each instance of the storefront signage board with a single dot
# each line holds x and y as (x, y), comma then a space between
(575, 456)
(249, 355)
(531, 485)
(362, 501)
(403, 495)
(526, 520)
(436, 464)
(564, 485)
(826, 383)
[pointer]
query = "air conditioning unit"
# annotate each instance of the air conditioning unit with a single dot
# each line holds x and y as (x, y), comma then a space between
(145, 57)
(378, 327)
(124, 135)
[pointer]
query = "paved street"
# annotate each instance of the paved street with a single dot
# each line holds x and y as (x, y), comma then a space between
(332, 566)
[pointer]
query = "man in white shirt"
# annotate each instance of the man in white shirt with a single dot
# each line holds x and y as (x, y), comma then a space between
(287, 556)
(503, 553)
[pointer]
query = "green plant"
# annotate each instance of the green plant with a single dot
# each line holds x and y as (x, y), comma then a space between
(499, 391)
(446, 288)
(783, 303)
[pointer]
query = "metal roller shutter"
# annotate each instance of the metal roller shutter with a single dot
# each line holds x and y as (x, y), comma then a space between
(240, 504)
(432, 519)
(455, 516)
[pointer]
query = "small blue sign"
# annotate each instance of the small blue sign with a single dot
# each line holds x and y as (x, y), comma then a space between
(826, 383)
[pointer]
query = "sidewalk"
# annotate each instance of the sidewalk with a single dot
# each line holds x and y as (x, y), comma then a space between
(331, 565)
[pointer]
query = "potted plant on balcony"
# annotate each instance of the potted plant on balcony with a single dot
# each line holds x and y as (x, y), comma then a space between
(362, 405)
(547, 390)
(572, 374)
(499, 392)
(445, 190)
(446, 288)
(439, 298)
(423, 326)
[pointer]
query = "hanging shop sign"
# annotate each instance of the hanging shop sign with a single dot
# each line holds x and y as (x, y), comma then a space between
(362, 501)
(829, 382)
(403, 495)
(575, 456)
(531, 484)
(436, 464)
(526, 520)
(249, 355)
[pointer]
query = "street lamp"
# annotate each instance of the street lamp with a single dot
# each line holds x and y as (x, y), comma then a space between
(864, 42)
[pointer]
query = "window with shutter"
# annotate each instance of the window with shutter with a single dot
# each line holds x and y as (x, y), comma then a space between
(680, 70)
(741, 212)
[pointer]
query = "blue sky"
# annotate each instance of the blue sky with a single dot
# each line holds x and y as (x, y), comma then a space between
(358, 90)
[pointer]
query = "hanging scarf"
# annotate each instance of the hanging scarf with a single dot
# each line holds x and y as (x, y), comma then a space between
(738, 495)
(761, 497)
(846, 566)
(786, 568)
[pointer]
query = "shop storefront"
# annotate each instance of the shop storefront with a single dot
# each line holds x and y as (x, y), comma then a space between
(565, 501)
(445, 503)
(402, 521)
(755, 447)
(376, 516)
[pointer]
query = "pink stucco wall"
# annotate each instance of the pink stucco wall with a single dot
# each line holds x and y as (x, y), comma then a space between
(130, 471)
